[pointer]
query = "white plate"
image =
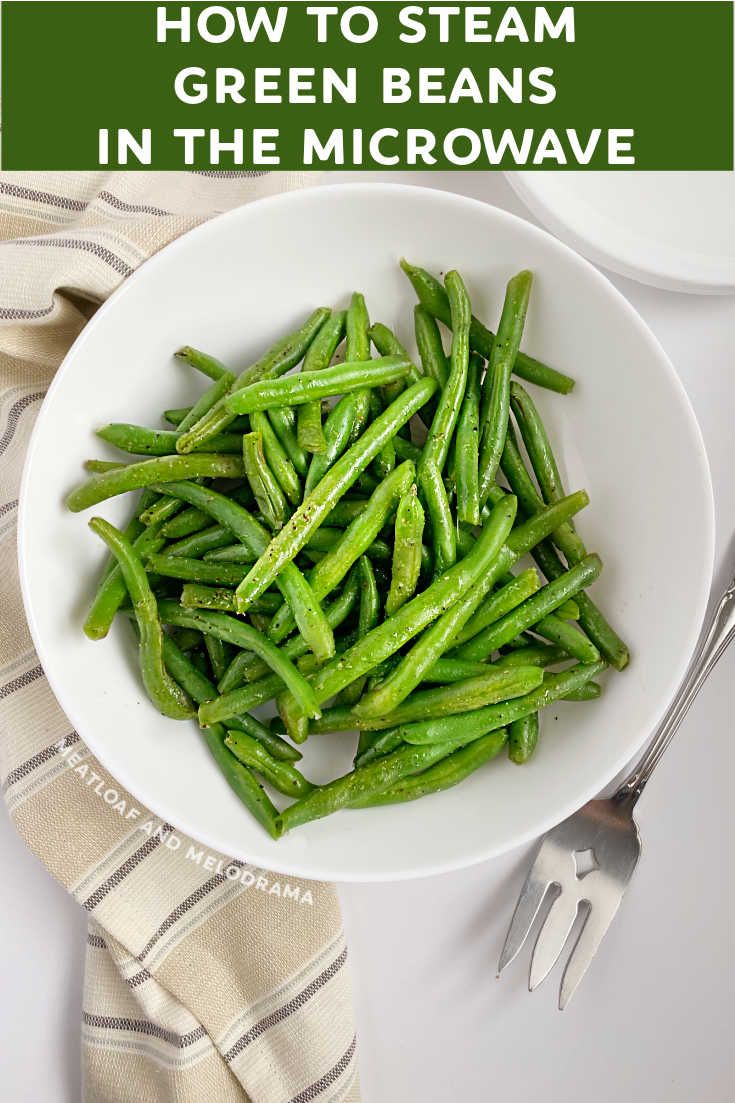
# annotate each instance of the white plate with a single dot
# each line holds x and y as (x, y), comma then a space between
(627, 434)
(674, 230)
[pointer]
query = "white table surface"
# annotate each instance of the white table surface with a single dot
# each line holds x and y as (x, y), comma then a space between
(651, 1021)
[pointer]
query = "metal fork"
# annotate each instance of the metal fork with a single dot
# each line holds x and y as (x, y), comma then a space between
(589, 859)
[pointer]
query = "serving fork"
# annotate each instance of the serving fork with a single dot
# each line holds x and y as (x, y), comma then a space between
(586, 862)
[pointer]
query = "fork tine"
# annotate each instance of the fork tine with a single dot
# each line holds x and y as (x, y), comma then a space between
(596, 924)
(530, 900)
(552, 936)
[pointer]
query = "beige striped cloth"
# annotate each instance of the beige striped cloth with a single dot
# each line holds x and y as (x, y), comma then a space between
(205, 979)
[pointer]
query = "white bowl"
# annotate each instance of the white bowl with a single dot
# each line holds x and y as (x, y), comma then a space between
(627, 434)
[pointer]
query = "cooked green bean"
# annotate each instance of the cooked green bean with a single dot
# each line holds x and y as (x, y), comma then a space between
(368, 617)
(361, 783)
(195, 570)
(314, 510)
(540, 453)
(309, 432)
(206, 402)
(532, 610)
(113, 589)
(159, 442)
(217, 655)
(243, 783)
(269, 497)
(195, 595)
(495, 404)
(203, 362)
(433, 298)
(439, 438)
(99, 467)
(416, 614)
(295, 390)
(185, 523)
(279, 358)
(467, 447)
(310, 619)
(443, 535)
(277, 458)
(470, 725)
(428, 704)
(535, 654)
(522, 738)
(244, 636)
(202, 543)
(282, 775)
(338, 430)
(433, 643)
(514, 589)
(176, 416)
(352, 543)
(283, 422)
(429, 342)
(443, 775)
(165, 694)
(246, 667)
(160, 511)
(163, 469)
(388, 344)
(409, 529)
(567, 635)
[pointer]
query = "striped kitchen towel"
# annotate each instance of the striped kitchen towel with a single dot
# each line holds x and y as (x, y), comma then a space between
(206, 979)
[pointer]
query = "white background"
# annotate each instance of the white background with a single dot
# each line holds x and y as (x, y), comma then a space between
(651, 1021)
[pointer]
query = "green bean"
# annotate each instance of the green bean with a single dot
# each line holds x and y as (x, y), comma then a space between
(532, 610)
(99, 467)
(185, 523)
(347, 510)
(309, 416)
(249, 667)
(194, 595)
(429, 704)
(277, 458)
(429, 342)
(195, 570)
(206, 402)
(514, 590)
(309, 617)
(467, 447)
(416, 614)
(569, 610)
(388, 344)
(244, 636)
(409, 528)
(279, 358)
(537, 443)
(496, 391)
(405, 450)
(242, 782)
(443, 536)
(592, 691)
(268, 494)
(203, 362)
(445, 774)
(440, 433)
(380, 744)
(470, 725)
(522, 738)
(201, 543)
(566, 635)
(352, 543)
(282, 775)
(216, 654)
(537, 654)
(159, 442)
(368, 617)
(163, 469)
(113, 589)
(361, 783)
(430, 647)
(337, 434)
(434, 299)
(175, 417)
(283, 421)
(447, 670)
(165, 694)
(160, 511)
(296, 389)
(313, 511)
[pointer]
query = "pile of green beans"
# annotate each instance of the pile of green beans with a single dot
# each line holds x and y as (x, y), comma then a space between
(348, 543)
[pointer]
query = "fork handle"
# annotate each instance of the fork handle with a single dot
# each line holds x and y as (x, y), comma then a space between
(719, 633)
